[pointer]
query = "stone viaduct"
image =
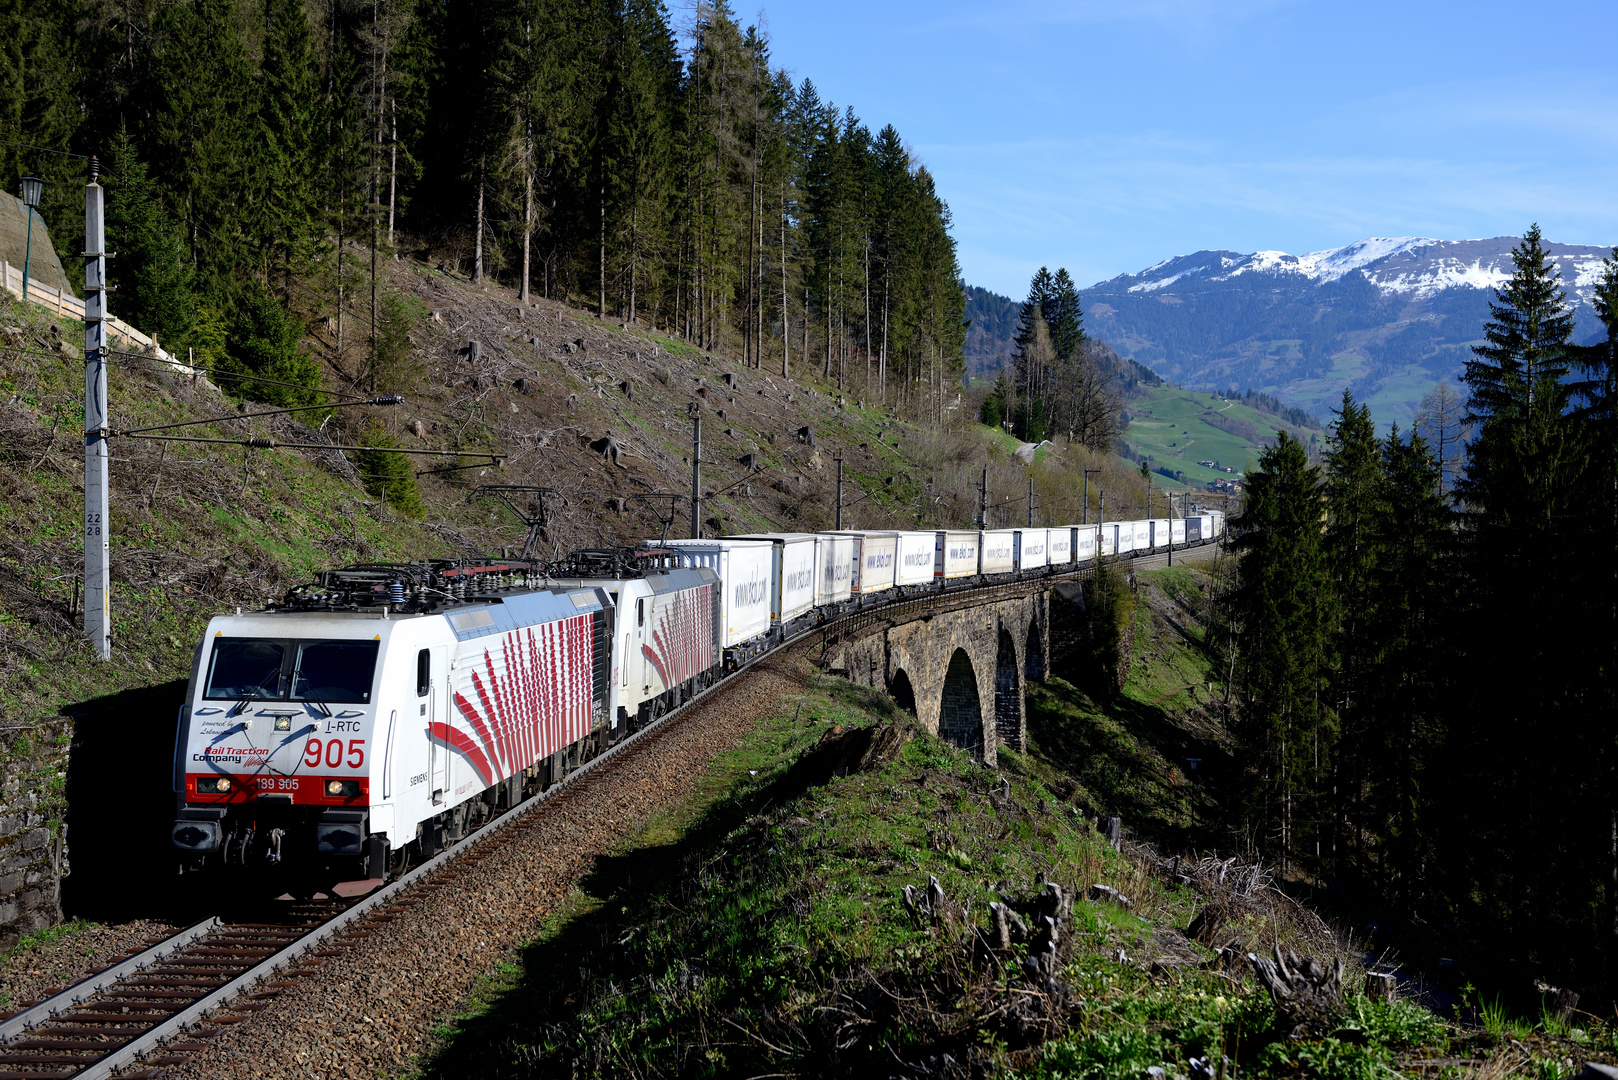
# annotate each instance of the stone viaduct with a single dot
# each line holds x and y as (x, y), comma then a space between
(961, 663)
(961, 670)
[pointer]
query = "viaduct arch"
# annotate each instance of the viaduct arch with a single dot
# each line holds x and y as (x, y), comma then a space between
(964, 673)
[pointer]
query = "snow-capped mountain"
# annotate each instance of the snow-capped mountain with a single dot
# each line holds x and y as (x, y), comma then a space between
(1387, 317)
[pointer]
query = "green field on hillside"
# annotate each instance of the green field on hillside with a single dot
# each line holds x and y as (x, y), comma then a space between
(1176, 428)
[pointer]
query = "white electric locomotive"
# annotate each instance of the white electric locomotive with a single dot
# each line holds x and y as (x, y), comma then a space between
(382, 712)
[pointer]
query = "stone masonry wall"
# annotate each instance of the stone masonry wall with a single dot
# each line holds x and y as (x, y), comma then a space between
(923, 647)
(33, 776)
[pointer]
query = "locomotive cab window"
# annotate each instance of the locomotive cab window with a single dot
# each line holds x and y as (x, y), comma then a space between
(424, 672)
(335, 672)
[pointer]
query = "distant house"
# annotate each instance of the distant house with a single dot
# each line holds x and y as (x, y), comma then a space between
(44, 267)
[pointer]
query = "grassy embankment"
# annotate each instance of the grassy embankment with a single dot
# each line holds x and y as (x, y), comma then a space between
(1157, 752)
(1178, 428)
(209, 530)
(760, 928)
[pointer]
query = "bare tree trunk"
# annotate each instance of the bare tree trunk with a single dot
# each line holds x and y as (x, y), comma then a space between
(749, 328)
(865, 330)
(527, 210)
(825, 368)
(477, 250)
(786, 309)
(393, 164)
(882, 366)
(601, 311)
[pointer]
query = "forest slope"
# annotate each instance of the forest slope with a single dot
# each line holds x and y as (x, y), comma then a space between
(196, 529)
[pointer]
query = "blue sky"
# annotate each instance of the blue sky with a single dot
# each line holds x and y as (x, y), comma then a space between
(1105, 137)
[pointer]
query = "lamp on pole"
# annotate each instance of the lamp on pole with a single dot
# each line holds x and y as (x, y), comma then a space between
(32, 187)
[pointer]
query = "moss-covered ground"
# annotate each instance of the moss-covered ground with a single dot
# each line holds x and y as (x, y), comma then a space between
(761, 929)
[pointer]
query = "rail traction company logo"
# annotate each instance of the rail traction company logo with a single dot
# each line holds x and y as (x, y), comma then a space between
(235, 755)
(533, 702)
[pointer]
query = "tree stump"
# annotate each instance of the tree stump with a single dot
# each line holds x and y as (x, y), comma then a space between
(608, 448)
(1308, 994)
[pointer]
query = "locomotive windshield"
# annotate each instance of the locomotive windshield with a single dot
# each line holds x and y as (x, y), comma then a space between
(258, 669)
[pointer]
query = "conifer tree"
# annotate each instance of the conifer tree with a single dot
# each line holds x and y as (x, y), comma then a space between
(1282, 663)
(1523, 511)
(1032, 371)
(1353, 478)
(266, 340)
(13, 86)
(151, 274)
(1597, 398)
(1519, 396)
(199, 126)
(1406, 683)
(284, 143)
(388, 475)
(1066, 317)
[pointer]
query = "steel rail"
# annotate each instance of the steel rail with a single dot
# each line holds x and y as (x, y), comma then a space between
(153, 1038)
(31, 1018)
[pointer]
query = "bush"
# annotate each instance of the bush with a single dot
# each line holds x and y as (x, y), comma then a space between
(993, 412)
(264, 341)
(1111, 607)
(1328, 1059)
(1401, 1023)
(1111, 1055)
(393, 366)
(388, 476)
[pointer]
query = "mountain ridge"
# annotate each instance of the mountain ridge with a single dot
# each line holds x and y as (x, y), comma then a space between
(1384, 317)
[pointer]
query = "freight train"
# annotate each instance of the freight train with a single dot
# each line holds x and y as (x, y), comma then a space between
(379, 713)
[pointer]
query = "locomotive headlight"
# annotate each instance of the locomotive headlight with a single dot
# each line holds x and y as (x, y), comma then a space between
(283, 723)
(212, 785)
(348, 789)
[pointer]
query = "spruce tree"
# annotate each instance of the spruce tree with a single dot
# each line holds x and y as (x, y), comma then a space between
(388, 475)
(1279, 607)
(1353, 476)
(1524, 510)
(285, 141)
(13, 87)
(200, 131)
(266, 341)
(1519, 397)
(1407, 683)
(1031, 359)
(1066, 319)
(151, 275)
(1596, 548)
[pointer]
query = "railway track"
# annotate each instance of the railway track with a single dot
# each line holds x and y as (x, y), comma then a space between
(150, 1010)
